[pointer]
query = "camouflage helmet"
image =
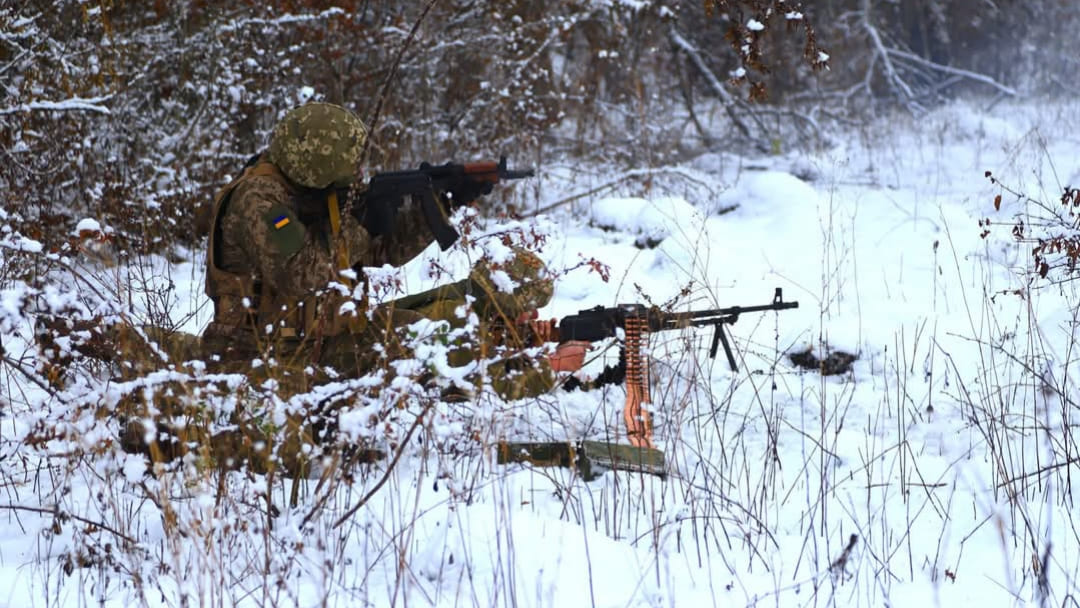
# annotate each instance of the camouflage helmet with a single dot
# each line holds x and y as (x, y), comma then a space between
(318, 144)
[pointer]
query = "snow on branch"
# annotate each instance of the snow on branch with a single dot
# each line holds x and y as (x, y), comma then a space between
(883, 53)
(951, 70)
(283, 20)
(75, 104)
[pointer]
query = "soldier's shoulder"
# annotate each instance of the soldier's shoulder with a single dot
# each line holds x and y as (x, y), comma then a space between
(260, 191)
(253, 199)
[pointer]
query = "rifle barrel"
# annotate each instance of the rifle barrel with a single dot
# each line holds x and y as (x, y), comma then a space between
(516, 173)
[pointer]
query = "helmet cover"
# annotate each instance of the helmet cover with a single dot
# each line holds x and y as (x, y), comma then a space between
(317, 145)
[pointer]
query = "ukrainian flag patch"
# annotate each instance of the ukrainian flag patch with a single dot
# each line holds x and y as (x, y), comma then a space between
(285, 233)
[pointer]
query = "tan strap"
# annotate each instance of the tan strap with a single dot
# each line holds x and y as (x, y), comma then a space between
(335, 230)
(266, 168)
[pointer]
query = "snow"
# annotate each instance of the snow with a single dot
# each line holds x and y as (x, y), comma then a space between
(93, 104)
(305, 94)
(920, 452)
(21, 243)
(134, 468)
(87, 225)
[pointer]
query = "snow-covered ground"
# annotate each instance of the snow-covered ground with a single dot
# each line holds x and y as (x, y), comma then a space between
(913, 479)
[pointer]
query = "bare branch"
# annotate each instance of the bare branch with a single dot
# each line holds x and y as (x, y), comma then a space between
(727, 99)
(75, 104)
(882, 53)
(951, 70)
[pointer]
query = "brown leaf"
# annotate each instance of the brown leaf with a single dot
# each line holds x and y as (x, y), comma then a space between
(997, 203)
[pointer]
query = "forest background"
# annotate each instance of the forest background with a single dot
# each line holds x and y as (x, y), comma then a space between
(106, 104)
(119, 120)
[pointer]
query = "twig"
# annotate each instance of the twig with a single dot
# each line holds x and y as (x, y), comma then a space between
(717, 87)
(67, 105)
(840, 563)
(570, 199)
(31, 376)
(377, 112)
(389, 469)
(883, 53)
(56, 512)
(613, 183)
(1067, 87)
(1041, 471)
(286, 19)
(362, 158)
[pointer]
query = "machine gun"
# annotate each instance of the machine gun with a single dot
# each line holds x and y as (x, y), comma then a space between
(635, 320)
(599, 323)
(464, 183)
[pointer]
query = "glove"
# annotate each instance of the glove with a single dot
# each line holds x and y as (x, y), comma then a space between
(569, 356)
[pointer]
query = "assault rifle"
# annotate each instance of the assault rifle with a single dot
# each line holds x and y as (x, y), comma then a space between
(386, 193)
(599, 323)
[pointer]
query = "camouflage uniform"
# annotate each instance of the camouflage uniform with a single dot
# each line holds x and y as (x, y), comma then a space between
(271, 255)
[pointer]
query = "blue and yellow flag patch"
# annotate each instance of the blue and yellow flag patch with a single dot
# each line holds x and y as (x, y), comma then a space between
(285, 233)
